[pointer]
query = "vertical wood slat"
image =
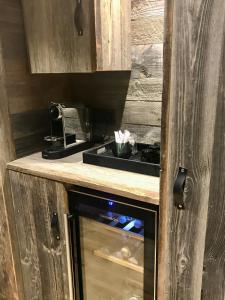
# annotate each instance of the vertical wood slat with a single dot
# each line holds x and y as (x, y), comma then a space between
(188, 131)
(43, 258)
(213, 286)
(112, 29)
(8, 287)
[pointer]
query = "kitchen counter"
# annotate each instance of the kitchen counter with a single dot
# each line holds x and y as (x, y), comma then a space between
(71, 170)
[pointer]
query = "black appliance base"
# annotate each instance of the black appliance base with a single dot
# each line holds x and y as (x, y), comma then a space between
(61, 152)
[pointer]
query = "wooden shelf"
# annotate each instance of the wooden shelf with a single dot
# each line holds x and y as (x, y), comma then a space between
(119, 261)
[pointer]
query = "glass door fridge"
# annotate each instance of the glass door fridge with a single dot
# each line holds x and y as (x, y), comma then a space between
(114, 246)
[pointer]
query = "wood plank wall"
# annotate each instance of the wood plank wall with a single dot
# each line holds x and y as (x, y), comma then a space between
(134, 97)
(142, 112)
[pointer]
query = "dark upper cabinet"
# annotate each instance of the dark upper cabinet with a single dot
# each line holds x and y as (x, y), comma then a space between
(56, 45)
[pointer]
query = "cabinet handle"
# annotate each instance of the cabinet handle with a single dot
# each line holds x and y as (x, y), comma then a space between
(178, 188)
(55, 226)
(78, 17)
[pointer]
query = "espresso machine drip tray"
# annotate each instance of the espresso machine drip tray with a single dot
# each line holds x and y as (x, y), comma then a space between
(58, 152)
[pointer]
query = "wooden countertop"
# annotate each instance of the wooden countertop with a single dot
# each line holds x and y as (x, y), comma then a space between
(72, 170)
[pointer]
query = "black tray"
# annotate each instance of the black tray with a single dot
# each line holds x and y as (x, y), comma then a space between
(103, 156)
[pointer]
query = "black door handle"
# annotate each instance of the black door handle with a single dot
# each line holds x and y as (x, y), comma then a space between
(78, 17)
(55, 226)
(179, 186)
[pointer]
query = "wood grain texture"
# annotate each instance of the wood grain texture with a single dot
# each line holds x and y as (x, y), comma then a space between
(197, 55)
(147, 63)
(147, 31)
(163, 282)
(8, 286)
(71, 170)
(112, 28)
(214, 259)
(142, 113)
(147, 8)
(53, 42)
(146, 134)
(42, 258)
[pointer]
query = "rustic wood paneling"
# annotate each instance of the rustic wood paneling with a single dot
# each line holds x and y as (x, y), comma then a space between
(147, 8)
(53, 41)
(147, 31)
(142, 113)
(145, 133)
(147, 62)
(162, 284)
(112, 28)
(196, 89)
(8, 286)
(214, 261)
(43, 258)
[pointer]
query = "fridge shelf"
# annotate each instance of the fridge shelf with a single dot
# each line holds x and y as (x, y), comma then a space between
(119, 261)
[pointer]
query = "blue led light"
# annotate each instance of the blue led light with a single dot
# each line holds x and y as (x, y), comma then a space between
(110, 203)
(122, 219)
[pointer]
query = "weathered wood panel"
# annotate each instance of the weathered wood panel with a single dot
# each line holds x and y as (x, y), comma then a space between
(43, 258)
(8, 286)
(148, 89)
(195, 91)
(147, 8)
(112, 29)
(146, 75)
(147, 62)
(150, 134)
(53, 41)
(213, 284)
(147, 31)
(142, 113)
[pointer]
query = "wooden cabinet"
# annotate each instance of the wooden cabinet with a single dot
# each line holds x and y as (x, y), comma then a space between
(56, 46)
(42, 264)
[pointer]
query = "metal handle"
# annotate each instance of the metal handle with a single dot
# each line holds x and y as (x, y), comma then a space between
(55, 226)
(178, 188)
(78, 17)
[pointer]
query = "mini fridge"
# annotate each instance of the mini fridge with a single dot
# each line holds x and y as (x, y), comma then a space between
(113, 246)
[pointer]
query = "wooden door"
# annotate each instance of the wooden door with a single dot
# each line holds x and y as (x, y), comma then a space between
(54, 45)
(193, 138)
(113, 34)
(43, 270)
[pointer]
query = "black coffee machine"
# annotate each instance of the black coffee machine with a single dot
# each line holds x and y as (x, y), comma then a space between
(65, 121)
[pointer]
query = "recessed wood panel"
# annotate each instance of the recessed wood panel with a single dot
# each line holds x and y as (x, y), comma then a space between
(112, 28)
(54, 45)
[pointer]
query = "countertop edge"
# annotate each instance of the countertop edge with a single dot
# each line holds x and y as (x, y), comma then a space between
(153, 198)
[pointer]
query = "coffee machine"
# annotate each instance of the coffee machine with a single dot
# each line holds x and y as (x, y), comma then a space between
(65, 121)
